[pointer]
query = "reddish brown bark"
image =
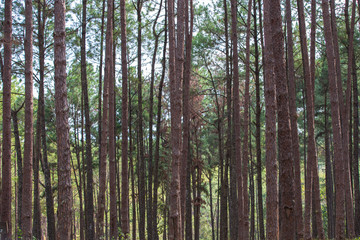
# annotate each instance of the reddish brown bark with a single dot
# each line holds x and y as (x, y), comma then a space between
(346, 119)
(175, 229)
(112, 163)
(185, 171)
(5, 215)
(286, 175)
(236, 115)
(62, 125)
(336, 125)
(294, 127)
(312, 170)
(272, 217)
(245, 221)
(104, 127)
(26, 215)
(125, 226)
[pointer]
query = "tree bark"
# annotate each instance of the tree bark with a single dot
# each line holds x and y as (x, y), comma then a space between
(89, 204)
(258, 130)
(158, 132)
(329, 179)
(20, 173)
(111, 147)
(50, 213)
(224, 175)
(62, 125)
(105, 124)
(356, 149)
(125, 226)
(294, 127)
(142, 166)
(336, 125)
(272, 217)
(236, 97)
(26, 214)
(5, 215)
(245, 221)
(286, 176)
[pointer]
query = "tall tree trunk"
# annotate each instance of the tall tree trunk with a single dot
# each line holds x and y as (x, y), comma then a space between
(329, 179)
(37, 228)
(111, 147)
(245, 221)
(347, 129)
(344, 124)
(312, 169)
(79, 184)
(89, 204)
(125, 225)
(179, 71)
(19, 162)
(185, 171)
(236, 98)
(158, 132)
(175, 65)
(224, 175)
(62, 125)
(105, 124)
(272, 217)
(5, 214)
(100, 74)
(286, 176)
(26, 214)
(133, 197)
(142, 166)
(258, 129)
(294, 127)
(356, 149)
(150, 212)
(336, 125)
(51, 230)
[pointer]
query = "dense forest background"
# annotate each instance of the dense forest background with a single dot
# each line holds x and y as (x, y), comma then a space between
(186, 119)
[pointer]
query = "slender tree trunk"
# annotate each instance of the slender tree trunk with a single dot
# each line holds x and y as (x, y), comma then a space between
(62, 125)
(236, 98)
(19, 162)
(224, 175)
(158, 132)
(141, 170)
(336, 125)
(245, 221)
(5, 214)
(312, 169)
(329, 179)
(185, 171)
(272, 217)
(133, 197)
(26, 214)
(51, 230)
(286, 177)
(175, 231)
(100, 75)
(89, 204)
(111, 148)
(356, 149)
(125, 226)
(294, 127)
(105, 124)
(258, 129)
(79, 184)
(37, 228)
(150, 212)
